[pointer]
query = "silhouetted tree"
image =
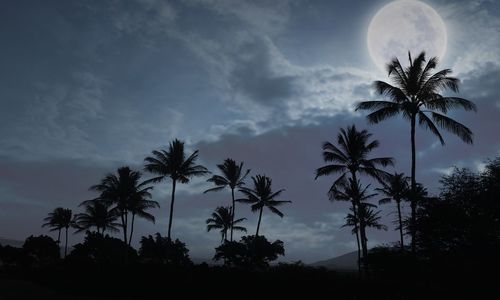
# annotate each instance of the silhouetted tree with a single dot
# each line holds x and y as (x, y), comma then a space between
(396, 188)
(222, 219)
(232, 177)
(97, 214)
(348, 190)
(60, 218)
(173, 164)
(349, 159)
(262, 196)
(251, 252)
(415, 94)
(138, 206)
(123, 190)
(102, 249)
(42, 250)
(164, 251)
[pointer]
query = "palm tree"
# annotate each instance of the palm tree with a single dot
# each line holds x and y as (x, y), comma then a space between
(121, 190)
(222, 219)
(396, 188)
(348, 190)
(349, 159)
(232, 177)
(54, 221)
(138, 206)
(173, 164)
(365, 214)
(262, 196)
(60, 218)
(416, 94)
(97, 214)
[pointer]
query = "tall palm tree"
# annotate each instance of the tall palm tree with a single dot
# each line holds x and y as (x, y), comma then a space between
(97, 214)
(232, 177)
(416, 94)
(348, 190)
(174, 165)
(222, 219)
(396, 188)
(54, 221)
(122, 189)
(350, 158)
(262, 196)
(60, 218)
(138, 206)
(365, 214)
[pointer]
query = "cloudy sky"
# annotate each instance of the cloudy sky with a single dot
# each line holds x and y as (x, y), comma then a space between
(88, 86)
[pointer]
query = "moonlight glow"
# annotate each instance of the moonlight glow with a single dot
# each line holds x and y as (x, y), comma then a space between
(403, 26)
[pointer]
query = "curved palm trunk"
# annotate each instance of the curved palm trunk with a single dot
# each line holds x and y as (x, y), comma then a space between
(131, 229)
(66, 244)
(171, 209)
(258, 223)
(413, 185)
(232, 214)
(400, 225)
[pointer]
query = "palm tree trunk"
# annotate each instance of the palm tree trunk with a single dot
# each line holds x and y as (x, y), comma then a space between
(66, 244)
(400, 225)
(124, 228)
(258, 223)
(131, 229)
(356, 229)
(413, 185)
(232, 215)
(171, 209)
(362, 231)
(59, 236)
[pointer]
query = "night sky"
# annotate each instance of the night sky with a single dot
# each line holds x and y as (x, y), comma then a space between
(89, 86)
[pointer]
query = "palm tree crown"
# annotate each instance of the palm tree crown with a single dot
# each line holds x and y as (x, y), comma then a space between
(262, 196)
(351, 156)
(173, 164)
(222, 219)
(97, 214)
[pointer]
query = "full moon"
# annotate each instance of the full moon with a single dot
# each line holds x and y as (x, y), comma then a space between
(403, 26)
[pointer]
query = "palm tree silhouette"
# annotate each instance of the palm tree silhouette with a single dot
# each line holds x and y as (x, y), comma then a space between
(351, 158)
(396, 188)
(417, 92)
(349, 190)
(138, 206)
(232, 177)
(122, 190)
(365, 214)
(54, 221)
(97, 214)
(262, 196)
(173, 164)
(222, 219)
(60, 218)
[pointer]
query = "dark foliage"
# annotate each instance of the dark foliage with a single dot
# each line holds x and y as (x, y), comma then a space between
(252, 252)
(162, 250)
(100, 249)
(41, 250)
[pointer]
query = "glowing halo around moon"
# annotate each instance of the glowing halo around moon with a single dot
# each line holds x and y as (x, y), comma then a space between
(402, 26)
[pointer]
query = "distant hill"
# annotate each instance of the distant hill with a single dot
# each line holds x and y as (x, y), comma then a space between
(345, 262)
(9, 242)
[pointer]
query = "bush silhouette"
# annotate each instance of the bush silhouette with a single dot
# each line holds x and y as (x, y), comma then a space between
(41, 250)
(102, 250)
(162, 250)
(252, 252)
